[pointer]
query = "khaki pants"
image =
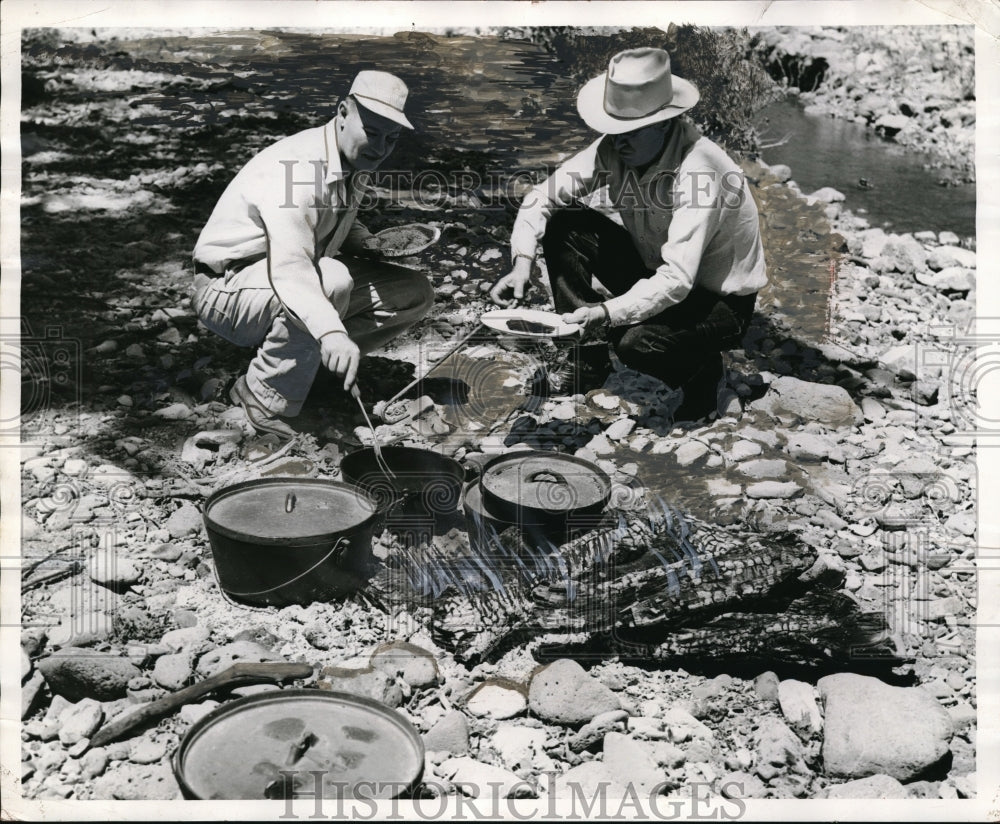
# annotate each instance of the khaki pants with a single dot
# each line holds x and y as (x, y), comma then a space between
(376, 301)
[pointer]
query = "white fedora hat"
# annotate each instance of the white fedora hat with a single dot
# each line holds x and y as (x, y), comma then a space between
(636, 90)
(382, 93)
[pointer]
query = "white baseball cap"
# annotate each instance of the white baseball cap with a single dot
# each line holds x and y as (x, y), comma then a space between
(382, 93)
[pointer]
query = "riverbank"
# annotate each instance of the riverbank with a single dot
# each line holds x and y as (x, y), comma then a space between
(914, 85)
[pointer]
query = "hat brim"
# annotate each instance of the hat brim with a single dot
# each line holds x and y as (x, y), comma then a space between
(590, 105)
(383, 110)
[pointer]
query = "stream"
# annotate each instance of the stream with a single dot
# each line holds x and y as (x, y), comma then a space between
(905, 195)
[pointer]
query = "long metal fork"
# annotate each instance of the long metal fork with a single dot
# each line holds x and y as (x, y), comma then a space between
(386, 470)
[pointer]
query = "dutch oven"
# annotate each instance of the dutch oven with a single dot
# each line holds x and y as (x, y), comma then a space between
(549, 491)
(427, 485)
(339, 745)
(282, 541)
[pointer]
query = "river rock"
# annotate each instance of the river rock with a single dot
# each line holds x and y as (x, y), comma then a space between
(827, 195)
(949, 279)
(476, 779)
(806, 446)
(797, 700)
(216, 660)
(621, 428)
(174, 412)
(173, 671)
(944, 257)
(185, 638)
(875, 786)
(415, 665)
(518, 747)
(892, 124)
(690, 452)
(565, 693)
(873, 728)
(806, 401)
(83, 673)
(368, 682)
(598, 727)
(147, 750)
(763, 468)
(740, 784)
(778, 749)
(497, 698)
(766, 686)
(94, 762)
(774, 489)
(137, 782)
(450, 734)
(80, 721)
(743, 449)
(113, 570)
(633, 762)
(592, 779)
(185, 520)
(907, 254)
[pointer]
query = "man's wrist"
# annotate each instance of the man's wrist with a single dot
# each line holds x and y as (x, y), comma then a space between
(606, 314)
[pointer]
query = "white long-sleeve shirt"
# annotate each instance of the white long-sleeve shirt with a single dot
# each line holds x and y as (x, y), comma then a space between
(693, 223)
(289, 203)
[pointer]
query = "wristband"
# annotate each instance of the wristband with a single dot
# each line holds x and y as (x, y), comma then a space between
(607, 314)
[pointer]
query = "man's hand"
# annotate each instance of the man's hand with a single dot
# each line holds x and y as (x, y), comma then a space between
(589, 318)
(341, 356)
(512, 286)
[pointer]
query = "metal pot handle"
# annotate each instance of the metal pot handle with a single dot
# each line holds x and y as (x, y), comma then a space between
(336, 552)
(554, 477)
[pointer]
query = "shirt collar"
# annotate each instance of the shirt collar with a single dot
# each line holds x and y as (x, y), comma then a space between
(334, 169)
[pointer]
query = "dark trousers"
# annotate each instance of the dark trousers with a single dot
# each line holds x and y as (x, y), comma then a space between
(679, 345)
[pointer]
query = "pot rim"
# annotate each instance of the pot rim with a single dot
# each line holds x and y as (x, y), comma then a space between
(229, 707)
(301, 541)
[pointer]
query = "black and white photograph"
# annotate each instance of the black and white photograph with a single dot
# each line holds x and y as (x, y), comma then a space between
(514, 410)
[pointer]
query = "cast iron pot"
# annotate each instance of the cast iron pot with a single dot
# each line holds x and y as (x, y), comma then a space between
(427, 485)
(543, 491)
(323, 740)
(283, 541)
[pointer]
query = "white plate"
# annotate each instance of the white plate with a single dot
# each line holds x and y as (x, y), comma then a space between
(400, 241)
(526, 323)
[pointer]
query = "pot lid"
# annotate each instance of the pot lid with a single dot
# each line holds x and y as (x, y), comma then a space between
(239, 750)
(286, 509)
(548, 481)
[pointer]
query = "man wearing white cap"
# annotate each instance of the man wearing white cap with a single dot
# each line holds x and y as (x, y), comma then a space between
(270, 266)
(677, 274)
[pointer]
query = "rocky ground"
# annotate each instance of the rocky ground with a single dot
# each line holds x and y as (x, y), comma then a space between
(842, 419)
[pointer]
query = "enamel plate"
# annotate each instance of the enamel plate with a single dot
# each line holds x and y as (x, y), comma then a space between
(529, 323)
(400, 241)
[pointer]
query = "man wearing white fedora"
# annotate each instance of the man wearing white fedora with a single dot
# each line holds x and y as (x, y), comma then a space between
(671, 282)
(274, 264)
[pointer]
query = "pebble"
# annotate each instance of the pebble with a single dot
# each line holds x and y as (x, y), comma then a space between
(94, 762)
(519, 748)
(450, 734)
(766, 686)
(805, 401)
(633, 761)
(797, 700)
(762, 468)
(594, 730)
(112, 570)
(368, 682)
(174, 412)
(873, 728)
(79, 721)
(687, 453)
(565, 693)
(221, 658)
(415, 665)
(621, 428)
(740, 784)
(83, 673)
(778, 749)
(185, 638)
(476, 779)
(874, 786)
(174, 671)
(743, 449)
(774, 489)
(147, 751)
(183, 521)
(497, 698)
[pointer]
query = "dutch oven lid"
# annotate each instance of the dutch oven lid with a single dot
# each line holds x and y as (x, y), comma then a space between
(238, 750)
(548, 481)
(287, 509)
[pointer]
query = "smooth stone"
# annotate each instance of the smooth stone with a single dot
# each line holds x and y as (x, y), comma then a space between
(633, 760)
(415, 665)
(519, 748)
(764, 468)
(595, 729)
(114, 571)
(185, 520)
(80, 721)
(137, 782)
(743, 449)
(172, 672)
(185, 638)
(687, 453)
(874, 786)
(797, 700)
(83, 673)
(621, 428)
(778, 749)
(874, 728)
(147, 751)
(806, 401)
(368, 682)
(565, 693)
(774, 489)
(497, 698)
(221, 658)
(450, 734)
(944, 257)
(476, 779)
(766, 686)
